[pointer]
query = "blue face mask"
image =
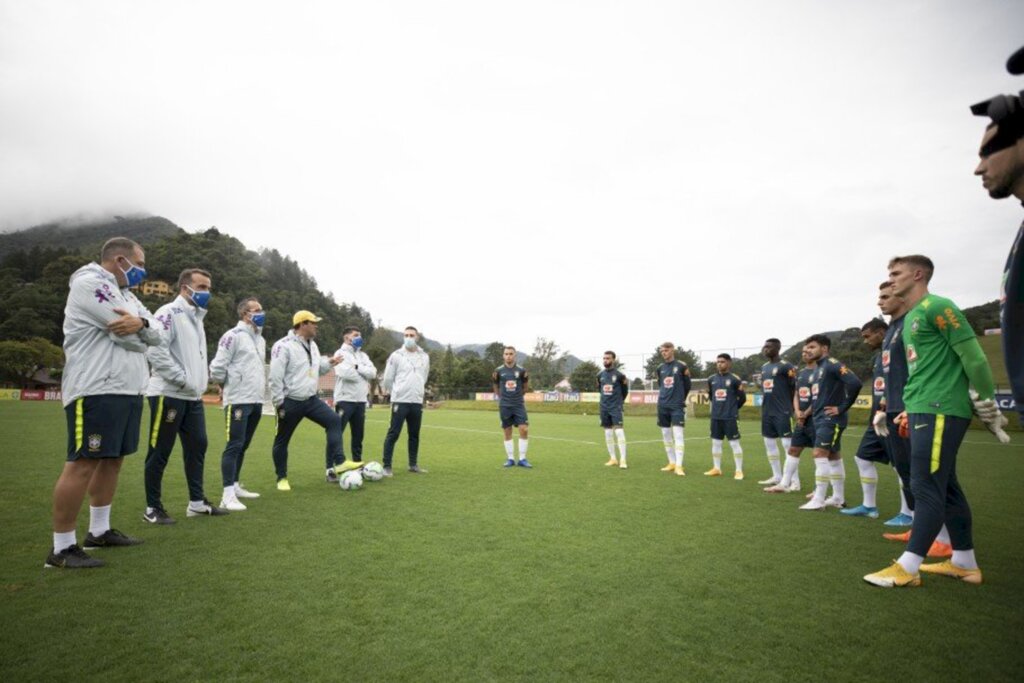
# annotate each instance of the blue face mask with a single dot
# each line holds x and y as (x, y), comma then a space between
(357, 342)
(258, 319)
(200, 299)
(410, 343)
(134, 275)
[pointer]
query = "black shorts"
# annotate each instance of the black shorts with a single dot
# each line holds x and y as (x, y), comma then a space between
(776, 426)
(671, 417)
(803, 437)
(512, 416)
(611, 418)
(873, 447)
(103, 426)
(725, 429)
(828, 436)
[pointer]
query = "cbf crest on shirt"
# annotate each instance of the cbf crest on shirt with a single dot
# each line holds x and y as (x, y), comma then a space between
(614, 388)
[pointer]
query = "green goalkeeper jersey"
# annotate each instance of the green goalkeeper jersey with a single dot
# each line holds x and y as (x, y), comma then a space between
(937, 383)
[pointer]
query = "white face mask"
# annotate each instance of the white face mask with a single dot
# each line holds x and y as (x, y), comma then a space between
(410, 343)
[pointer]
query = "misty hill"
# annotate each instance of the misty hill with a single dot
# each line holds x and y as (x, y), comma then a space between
(35, 280)
(89, 236)
(571, 361)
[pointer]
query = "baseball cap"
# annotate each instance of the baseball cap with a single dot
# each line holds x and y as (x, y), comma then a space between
(304, 316)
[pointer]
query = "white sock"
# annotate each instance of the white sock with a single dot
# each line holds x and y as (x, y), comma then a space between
(196, 504)
(677, 436)
(620, 435)
(99, 520)
(838, 479)
(821, 479)
(737, 454)
(609, 442)
(63, 539)
(965, 559)
(791, 470)
(786, 443)
(229, 492)
(943, 536)
(666, 440)
(910, 562)
(868, 481)
(509, 449)
(904, 506)
(773, 456)
(716, 453)
(523, 443)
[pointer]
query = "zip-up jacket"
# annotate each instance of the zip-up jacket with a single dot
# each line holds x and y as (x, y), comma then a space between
(239, 365)
(354, 374)
(295, 369)
(178, 369)
(97, 360)
(405, 375)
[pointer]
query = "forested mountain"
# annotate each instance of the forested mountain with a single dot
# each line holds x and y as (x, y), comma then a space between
(35, 283)
(89, 236)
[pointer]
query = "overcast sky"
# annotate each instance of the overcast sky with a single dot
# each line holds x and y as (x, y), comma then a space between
(607, 174)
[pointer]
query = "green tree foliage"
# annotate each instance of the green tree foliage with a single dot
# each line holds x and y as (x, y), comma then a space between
(493, 354)
(36, 282)
(689, 357)
(19, 360)
(584, 376)
(546, 365)
(637, 383)
(380, 344)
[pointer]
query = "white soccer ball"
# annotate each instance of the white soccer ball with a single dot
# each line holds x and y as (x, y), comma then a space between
(373, 471)
(350, 481)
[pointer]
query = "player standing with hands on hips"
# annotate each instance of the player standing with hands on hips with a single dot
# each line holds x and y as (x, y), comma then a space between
(239, 368)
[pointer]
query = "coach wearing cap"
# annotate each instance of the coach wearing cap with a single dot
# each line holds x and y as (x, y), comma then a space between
(295, 369)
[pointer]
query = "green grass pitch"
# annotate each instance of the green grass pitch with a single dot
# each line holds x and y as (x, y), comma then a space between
(571, 571)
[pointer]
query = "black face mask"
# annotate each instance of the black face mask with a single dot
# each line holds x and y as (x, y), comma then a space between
(1007, 114)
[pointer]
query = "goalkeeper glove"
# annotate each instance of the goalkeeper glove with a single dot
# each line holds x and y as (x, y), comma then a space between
(880, 424)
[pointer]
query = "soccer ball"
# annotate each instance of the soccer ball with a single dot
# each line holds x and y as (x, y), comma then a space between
(373, 471)
(350, 481)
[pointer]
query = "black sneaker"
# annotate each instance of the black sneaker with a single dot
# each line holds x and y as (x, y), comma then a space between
(332, 478)
(416, 469)
(158, 516)
(207, 509)
(71, 557)
(109, 539)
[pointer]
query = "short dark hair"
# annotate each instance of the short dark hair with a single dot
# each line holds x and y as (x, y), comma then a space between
(350, 329)
(410, 327)
(186, 276)
(885, 285)
(117, 246)
(611, 353)
(667, 345)
(916, 261)
(819, 339)
(874, 325)
(772, 340)
(725, 356)
(243, 305)
(507, 348)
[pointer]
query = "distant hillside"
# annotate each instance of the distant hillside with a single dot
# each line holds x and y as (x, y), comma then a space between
(35, 280)
(73, 236)
(571, 361)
